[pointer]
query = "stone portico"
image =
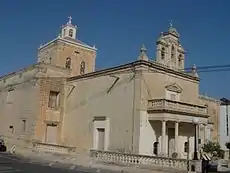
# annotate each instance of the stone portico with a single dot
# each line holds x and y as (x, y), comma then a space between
(168, 127)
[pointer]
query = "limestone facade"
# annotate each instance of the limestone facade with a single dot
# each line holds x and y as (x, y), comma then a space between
(144, 107)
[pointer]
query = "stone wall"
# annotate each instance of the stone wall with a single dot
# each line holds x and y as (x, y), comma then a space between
(19, 97)
(22, 97)
(47, 115)
(213, 106)
(113, 96)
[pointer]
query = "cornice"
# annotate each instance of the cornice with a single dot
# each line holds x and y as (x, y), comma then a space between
(134, 65)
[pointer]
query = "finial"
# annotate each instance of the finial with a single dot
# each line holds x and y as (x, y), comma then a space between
(143, 48)
(143, 53)
(170, 24)
(70, 20)
(194, 71)
(194, 67)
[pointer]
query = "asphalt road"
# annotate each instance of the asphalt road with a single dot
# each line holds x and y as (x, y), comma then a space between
(10, 164)
(14, 164)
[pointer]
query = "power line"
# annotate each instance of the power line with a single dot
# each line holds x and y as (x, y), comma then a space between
(213, 70)
(210, 67)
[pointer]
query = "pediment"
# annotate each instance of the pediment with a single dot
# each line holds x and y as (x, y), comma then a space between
(174, 88)
(174, 32)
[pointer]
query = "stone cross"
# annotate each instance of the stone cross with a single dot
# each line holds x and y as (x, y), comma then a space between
(170, 23)
(70, 19)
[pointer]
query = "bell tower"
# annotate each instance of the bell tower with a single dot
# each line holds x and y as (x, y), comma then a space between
(68, 52)
(169, 51)
(69, 30)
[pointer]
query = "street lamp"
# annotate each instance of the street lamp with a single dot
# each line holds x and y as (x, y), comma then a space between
(195, 122)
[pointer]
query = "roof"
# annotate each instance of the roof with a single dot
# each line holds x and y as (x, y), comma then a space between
(76, 41)
(132, 65)
(18, 71)
(70, 41)
(208, 98)
(31, 67)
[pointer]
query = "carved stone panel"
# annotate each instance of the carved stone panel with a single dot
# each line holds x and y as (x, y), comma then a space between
(174, 88)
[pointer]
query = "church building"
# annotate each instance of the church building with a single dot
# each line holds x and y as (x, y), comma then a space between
(148, 107)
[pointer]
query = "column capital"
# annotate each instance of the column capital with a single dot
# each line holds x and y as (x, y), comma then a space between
(164, 120)
(203, 124)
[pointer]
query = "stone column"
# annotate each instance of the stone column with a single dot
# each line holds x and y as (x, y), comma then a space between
(163, 138)
(205, 132)
(176, 136)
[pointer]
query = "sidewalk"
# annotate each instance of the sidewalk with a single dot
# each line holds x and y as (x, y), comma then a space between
(82, 161)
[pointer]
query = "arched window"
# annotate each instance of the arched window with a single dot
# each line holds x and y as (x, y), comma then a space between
(64, 33)
(82, 67)
(162, 53)
(50, 60)
(186, 147)
(71, 33)
(180, 60)
(155, 148)
(172, 51)
(68, 63)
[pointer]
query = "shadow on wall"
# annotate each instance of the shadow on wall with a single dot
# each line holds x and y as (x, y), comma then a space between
(99, 94)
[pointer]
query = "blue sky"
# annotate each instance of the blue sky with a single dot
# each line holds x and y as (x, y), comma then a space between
(118, 29)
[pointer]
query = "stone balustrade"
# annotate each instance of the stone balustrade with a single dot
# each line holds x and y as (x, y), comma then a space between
(52, 148)
(158, 105)
(140, 160)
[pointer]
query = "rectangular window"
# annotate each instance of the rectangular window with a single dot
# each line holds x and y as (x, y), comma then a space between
(53, 100)
(11, 129)
(9, 98)
(23, 125)
(186, 147)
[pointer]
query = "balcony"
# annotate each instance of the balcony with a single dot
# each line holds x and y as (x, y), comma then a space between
(176, 107)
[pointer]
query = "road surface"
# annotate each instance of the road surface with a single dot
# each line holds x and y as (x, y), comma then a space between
(13, 164)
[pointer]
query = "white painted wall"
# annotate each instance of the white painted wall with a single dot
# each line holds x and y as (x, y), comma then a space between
(147, 135)
(186, 134)
(150, 132)
(223, 126)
